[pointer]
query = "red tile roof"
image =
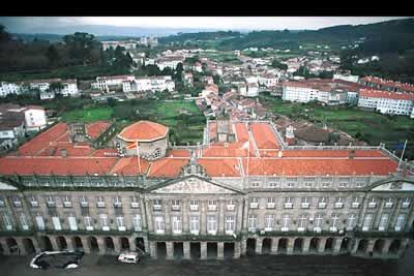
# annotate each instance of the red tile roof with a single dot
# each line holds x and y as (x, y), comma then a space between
(319, 167)
(264, 136)
(55, 165)
(241, 132)
(386, 95)
(43, 140)
(94, 130)
(129, 166)
(220, 167)
(167, 167)
(179, 153)
(143, 131)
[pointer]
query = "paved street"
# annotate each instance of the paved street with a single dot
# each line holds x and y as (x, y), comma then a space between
(260, 265)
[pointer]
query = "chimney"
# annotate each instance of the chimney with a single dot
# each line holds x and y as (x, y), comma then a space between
(351, 154)
(63, 152)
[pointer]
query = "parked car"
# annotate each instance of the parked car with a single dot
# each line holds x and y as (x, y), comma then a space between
(57, 259)
(129, 257)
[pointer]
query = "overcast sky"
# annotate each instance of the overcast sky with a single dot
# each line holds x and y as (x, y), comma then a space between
(51, 24)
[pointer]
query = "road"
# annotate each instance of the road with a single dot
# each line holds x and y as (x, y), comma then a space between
(94, 265)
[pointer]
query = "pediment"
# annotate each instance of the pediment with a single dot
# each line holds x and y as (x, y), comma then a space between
(193, 185)
(5, 186)
(395, 186)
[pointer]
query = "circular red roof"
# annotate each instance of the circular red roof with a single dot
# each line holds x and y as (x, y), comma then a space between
(143, 130)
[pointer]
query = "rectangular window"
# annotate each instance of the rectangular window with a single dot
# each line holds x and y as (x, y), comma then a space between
(23, 221)
(285, 223)
(175, 205)
(2, 203)
(211, 224)
(252, 223)
(177, 224)
(88, 223)
(339, 203)
(302, 223)
(157, 204)
(104, 222)
(322, 203)
(388, 203)
(383, 222)
(134, 202)
(73, 225)
(194, 205)
(40, 223)
(56, 223)
(318, 223)
(117, 202)
(17, 202)
(33, 201)
(120, 221)
(288, 203)
(100, 203)
(351, 221)
(372, 203)
(159, 224)
(136, 221)
(269, 222)
(367, 222)
(405, 203)
(212, 205)
(271, 203)
(334, 225)
(399, 224)
(305, 203)
(355, 203)
(254, 203)
(230, 224)
(50, 201)
(7, 223)
(194, 225)
(84, 201)
(67, 203)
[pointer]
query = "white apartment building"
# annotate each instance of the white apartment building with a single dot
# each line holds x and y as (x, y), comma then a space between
(153, 84)
(387, 102)
(170, 61)
(111, 81)
(35, 118)
(7, 88)
(346, 77)
(268, 80)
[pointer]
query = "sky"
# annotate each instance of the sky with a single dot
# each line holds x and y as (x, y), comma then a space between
(61, 24)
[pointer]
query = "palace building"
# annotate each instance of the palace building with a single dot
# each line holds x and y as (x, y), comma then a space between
(241, 191)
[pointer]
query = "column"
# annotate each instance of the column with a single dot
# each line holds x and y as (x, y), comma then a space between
(203, 249)
(370, 247)
(355, 246)
(69, 242)
(386, 246)
(101, 245)
(321, 245)
(36, 245)
(153, 250)
(170, 250)
(306, 245)
(337, 245)
(273, 249)
(290, 243)
(53, 241)
(22, 248)
(132, 244)
(146, 243)
(117, 244)
(220, 250)
(237, 250)
(85, 245)
(186, 249)
(220, 217)
(5, 247)
(243, 246)
(259, 245)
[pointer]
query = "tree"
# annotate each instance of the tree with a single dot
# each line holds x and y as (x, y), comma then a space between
(56, 86)
(80, 46)
(179, 72)
(277, 64)
(53, 55)
(4, 36)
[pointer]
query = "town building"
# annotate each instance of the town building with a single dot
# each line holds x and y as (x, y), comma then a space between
(393, 103)
(35, 118)
(66, 88)
(217, 200)
(7, 88)
(386, 85)
(169, 61)
(111, 82)
(156, 83)
(345, 76)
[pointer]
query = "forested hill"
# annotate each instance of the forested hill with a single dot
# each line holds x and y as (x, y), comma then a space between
(385, 36)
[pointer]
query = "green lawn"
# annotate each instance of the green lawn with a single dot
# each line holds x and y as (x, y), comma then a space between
(89, 114)
(372, 126)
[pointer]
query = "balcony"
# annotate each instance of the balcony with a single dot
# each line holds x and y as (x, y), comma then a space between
(381, 228)
(51, 204)
(118, 205)
(288, 205)
(84, 204)
(17, 203)
(105, 228)
(254, 205)
(333, 229)
(231, 207)
(372, 205)
(388, 204)
(317, 229)
(212, 207)
(89, 228)
(339, 205)
(134, 204)
(284, 229)
(121, 228)
(100, 204)
(67, 204)
(355, 205)
(397, 228)
(365, 228)
(157, 207)
(175, 207)
(405, 205)
(322, 205)
(305, 205)
(301, 229)
(229, 232)
(193, 207)
(271, 205)
(195, 232)
(212, 232)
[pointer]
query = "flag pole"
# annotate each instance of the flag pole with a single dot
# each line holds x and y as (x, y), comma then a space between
(402, 154)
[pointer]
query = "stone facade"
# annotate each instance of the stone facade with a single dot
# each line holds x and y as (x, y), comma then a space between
(200, 217)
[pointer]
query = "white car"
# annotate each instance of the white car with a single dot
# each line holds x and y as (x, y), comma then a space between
(129, 257)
